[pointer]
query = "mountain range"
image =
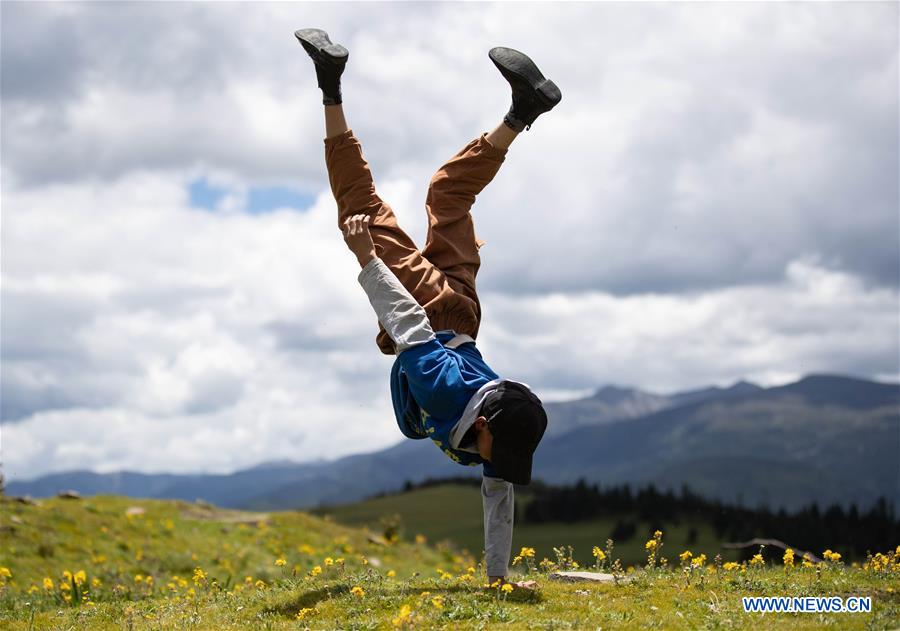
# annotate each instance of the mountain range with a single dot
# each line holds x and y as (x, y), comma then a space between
(825, 439)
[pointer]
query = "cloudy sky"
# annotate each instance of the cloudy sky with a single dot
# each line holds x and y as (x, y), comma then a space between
(715, 198)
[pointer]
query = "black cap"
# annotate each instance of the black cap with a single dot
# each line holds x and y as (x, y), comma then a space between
(517, 420)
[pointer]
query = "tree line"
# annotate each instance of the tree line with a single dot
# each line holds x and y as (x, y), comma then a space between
(639, 512)
(850, 531)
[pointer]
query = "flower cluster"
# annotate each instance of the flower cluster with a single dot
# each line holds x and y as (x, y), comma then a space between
(884, 563)
(600, 557)
(789, 558)
(654, 547)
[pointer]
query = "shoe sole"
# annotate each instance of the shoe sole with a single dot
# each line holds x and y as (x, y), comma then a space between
(511, 62)
(318, 45)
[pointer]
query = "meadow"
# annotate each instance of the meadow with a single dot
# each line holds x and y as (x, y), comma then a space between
(109, 562)
(452, 513)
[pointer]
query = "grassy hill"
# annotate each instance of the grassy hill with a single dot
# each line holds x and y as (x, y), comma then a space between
(118, 563)
(452, 513)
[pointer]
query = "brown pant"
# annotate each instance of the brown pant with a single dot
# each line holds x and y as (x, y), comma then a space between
(442, 276)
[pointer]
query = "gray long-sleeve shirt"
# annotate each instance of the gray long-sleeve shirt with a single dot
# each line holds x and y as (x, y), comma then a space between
(407, 324)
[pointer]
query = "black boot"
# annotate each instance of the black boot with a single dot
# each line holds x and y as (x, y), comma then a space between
(330, 60)
(532, 93)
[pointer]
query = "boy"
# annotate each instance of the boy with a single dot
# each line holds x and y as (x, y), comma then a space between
(426, 302)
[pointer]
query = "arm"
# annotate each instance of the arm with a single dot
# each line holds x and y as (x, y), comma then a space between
(402, 317)
(498, 503)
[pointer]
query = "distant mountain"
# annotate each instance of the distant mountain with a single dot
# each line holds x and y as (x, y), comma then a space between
(614, 403)
(824, 438)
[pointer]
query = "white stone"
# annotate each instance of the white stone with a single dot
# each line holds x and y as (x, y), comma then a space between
(574, 577)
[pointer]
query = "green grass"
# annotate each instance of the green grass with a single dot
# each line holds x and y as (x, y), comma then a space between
(452, 513)
(170, 540)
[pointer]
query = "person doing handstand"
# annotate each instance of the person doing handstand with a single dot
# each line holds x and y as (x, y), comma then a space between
(426, 302)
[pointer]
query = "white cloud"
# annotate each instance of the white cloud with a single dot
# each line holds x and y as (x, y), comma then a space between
(814, 320)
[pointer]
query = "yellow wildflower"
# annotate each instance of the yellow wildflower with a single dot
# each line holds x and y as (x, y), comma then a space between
(757, 560)
(34, 588)
(48, 583)
(5, 573)
(507, 588)
(357, 591)
(138, 578)
(315, 571)
(260, 584)
(391, 574)
(650, 545)
(199, 575)
(403, 616)
(420, 539)
(684, 556)
(329, 561)
(280, 562)
(527, 553)
(699, 560)
(67, 575)
(789, 557)
(95, 582)
(731, 565)
(304, 612)
(437, 602)
(600, 554)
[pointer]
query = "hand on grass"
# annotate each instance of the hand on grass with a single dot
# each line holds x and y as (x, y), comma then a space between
(359, 239)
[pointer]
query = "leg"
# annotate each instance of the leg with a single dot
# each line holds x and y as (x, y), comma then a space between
(451, 244)
(354, 191)
(502, 136)
(335, 123)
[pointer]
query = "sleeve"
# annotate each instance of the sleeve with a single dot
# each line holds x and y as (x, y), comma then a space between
(498, 502)
(402, 317)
